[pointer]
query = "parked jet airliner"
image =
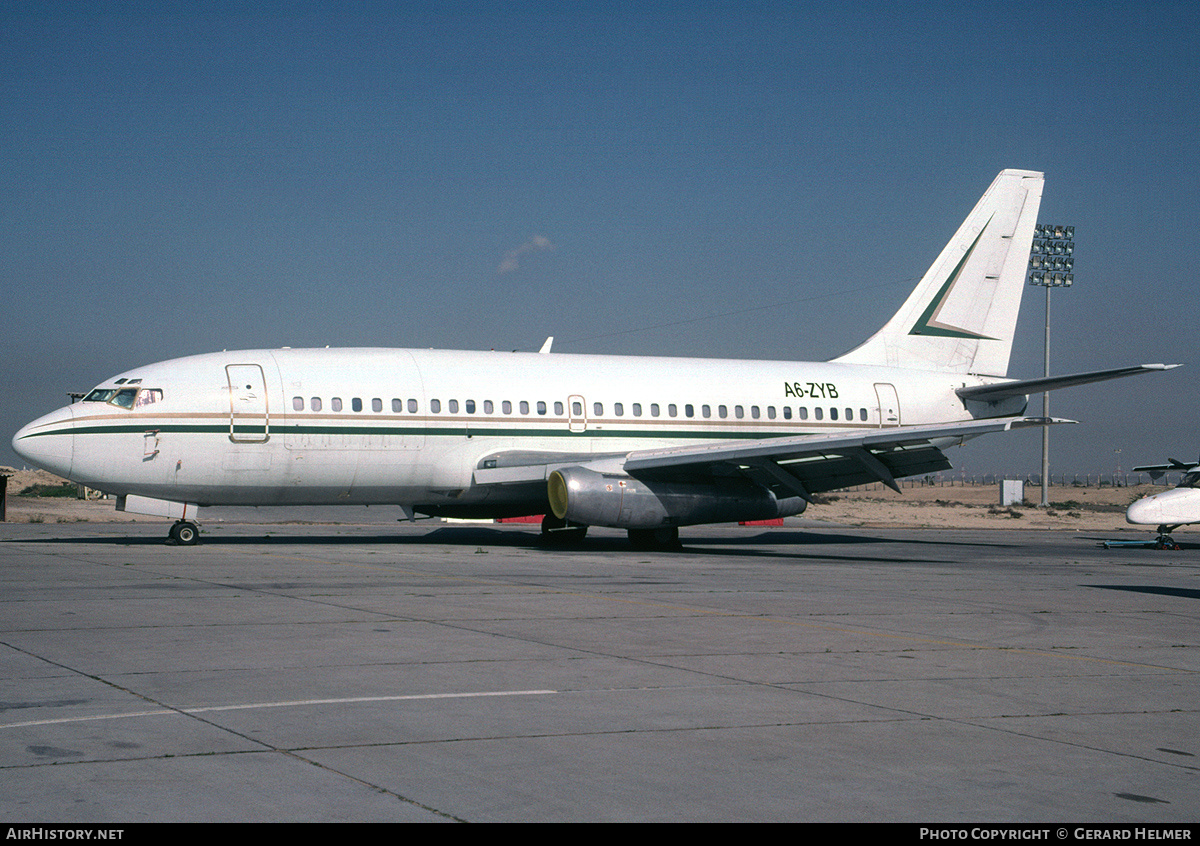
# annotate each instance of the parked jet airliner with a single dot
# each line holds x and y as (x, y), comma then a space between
(643, 444)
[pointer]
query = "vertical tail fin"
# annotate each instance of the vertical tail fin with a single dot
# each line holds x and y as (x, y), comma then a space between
(962, 316)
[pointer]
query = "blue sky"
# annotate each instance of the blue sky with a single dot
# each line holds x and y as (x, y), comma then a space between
(748, 180)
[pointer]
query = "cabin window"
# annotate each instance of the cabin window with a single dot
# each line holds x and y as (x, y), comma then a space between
(803, 412)
(637, 409)
(818, 413)
(297, 403)
(435, 406)
(397, 406)
(787, 412)
(754, 412)
(558, 409)
(377, 405)
(706, 411)
(739, 412)
(315, 403)
(722, 411)
(524, 406)
(506, 406)
(618, 409)
(672, 411)
(541, 407)
(356, 404)
(470, 406)
(412, 406)
(689, 411)
(653, 409)
(598, 408)
(452, 406)
(335, 404)
(488, 408)
(849, 413)
(862, 414)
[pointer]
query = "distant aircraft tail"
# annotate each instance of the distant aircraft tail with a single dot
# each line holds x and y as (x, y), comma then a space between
(962, 316)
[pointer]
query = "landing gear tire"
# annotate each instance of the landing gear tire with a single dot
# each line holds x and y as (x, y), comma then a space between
(664, 539)
(1164, 539)
(185, 533)
(561, 533)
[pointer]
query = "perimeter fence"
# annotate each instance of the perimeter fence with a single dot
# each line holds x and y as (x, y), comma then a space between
(1056, 480)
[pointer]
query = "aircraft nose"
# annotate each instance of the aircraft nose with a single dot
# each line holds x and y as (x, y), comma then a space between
(1146, 511)
(48, 442)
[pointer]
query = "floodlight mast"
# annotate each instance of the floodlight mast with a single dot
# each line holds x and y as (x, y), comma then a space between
(1051, 265)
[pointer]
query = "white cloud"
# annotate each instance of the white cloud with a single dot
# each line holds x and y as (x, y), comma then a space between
(512, 258)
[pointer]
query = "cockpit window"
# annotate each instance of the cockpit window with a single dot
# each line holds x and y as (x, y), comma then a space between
(146, 396)
(125, 397)
(1191, 480)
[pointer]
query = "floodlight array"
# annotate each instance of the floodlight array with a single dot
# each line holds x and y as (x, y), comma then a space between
(1052, 257)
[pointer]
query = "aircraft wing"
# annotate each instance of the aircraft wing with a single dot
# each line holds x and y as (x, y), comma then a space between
(804, 465)
(799, 465)
(1022, 387)
(1157, 471)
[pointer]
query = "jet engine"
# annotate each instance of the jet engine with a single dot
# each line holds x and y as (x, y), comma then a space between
(620, 501)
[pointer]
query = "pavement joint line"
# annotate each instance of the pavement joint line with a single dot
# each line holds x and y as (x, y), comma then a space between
(204, 709)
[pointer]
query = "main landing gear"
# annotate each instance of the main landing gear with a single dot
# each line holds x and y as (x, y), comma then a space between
(185, 533)
(561, 533)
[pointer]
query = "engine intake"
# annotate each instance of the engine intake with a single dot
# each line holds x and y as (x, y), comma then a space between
(620, 501)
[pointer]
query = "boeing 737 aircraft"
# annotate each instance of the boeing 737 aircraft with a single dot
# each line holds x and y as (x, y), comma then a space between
(1170, 509)
(642, 444)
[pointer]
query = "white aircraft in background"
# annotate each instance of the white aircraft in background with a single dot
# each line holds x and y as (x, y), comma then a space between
(1170, 509)
(638, 443)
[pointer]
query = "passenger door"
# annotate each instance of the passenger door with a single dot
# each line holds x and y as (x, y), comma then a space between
(249, 412)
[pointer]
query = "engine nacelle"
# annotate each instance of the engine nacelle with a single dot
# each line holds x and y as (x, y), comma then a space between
(584, 496)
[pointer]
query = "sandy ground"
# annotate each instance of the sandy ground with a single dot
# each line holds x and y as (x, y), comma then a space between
(932, 506)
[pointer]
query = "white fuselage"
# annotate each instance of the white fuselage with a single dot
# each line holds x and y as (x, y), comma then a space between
(411, 427)
(1176, 507)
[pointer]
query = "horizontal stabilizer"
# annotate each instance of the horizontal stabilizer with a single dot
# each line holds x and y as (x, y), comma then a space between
(1022, 387)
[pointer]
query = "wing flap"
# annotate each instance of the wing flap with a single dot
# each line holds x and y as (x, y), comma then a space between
(809, 464)
(806, 446)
